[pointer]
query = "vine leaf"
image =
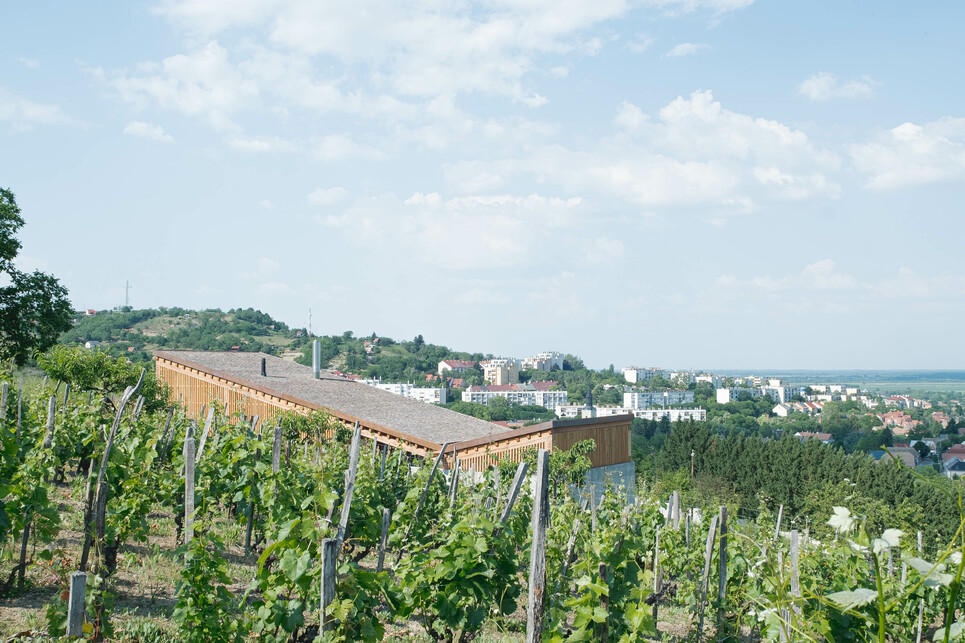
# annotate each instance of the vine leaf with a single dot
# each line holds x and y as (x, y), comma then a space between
(934, 576)
(853, 598)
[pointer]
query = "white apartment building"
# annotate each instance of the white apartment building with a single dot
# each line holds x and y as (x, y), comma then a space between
(708, 378)
(646, 399)
(545, 361)
(570, 411)
(524, 394)
(782, 394)
(727, 395)
(637, 375)
(427, 395)
(577, 410)
(500, 371)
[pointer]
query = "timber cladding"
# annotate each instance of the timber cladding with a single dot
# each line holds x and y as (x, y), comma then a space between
(233, 380)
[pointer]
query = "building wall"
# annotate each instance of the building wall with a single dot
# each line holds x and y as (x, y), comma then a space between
(612, 441)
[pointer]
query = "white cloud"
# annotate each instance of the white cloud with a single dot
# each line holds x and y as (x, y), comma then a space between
(327, 196)
(23, 114)
(266, 204)
(489, 232)
(689, 6)
(640, 43)
(29, 63)
(341, 147)
(148, 131)
(259, 144)
(692, 153)
(603, 251)
(912, 154)
(202, 83)
(823, 86)
(687, 49)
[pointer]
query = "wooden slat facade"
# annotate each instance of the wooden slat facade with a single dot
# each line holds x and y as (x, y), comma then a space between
(194, 388)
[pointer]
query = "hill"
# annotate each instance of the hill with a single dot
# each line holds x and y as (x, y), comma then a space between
(135, 333)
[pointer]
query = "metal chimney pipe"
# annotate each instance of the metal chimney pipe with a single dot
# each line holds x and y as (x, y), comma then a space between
(264, 372)
(317, 359)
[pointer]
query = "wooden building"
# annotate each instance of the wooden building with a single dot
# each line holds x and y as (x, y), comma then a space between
(235, 380)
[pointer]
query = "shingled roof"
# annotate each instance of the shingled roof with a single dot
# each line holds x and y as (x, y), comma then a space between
(369, 405)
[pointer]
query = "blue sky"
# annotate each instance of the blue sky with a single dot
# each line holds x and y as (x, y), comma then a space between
(685, 183)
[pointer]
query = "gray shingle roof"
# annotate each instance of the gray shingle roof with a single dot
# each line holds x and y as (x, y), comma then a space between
(369, 405)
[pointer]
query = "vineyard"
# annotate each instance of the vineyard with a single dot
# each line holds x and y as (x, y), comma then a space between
(298, 530)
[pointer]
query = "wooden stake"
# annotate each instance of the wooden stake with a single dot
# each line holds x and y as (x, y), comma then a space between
(51, 409)
(386, 521)
(921, 602)
(252, 489)
(513, 492)
(602, 628)
(675, 499)
(385, 453)
(75, 605)
(777, 529)
(705, 581)
(353, 464)
(657, 572)
(4, 389)
(164, 436)
(204, 434)
(88, 517)
(188, 489)
(276, 449)
(66, 394)
(329, 556)
(722, 572)
(19, 406)
(536, 605)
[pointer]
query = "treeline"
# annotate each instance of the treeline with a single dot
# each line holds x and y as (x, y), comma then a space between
(807, 478)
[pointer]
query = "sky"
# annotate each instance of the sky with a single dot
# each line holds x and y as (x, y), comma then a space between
(678, 183)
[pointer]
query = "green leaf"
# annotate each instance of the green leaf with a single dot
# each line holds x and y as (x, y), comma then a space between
(955, 631)
(934, 576)
(853, 598)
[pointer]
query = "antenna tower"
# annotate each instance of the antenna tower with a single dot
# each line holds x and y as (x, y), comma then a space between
(127, 294)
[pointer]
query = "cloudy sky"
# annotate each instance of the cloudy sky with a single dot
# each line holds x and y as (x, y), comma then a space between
(685, 183)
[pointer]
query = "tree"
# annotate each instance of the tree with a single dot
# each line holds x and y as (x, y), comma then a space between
(34, 309)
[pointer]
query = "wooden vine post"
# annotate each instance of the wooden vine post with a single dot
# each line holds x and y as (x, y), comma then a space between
(75, 605)
(657, 573)
(51, 410)
(252, 490)
(603, 627)
(386, 521)
(536, 605)
(4, 390)
(329, 556)
(353, 465)
(276, 449)
(705, 580)
(189, 464)
(777, 529)
(19, 406)
(722, 571)
(422, 499)
(921, 602)
(204, 434)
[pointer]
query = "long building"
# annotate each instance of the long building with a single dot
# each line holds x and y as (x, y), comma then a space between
(532, 394)
(236, 381)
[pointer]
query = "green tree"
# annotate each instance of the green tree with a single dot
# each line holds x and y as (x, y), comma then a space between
(34, 309)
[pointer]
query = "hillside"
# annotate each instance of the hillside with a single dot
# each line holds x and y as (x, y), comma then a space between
(135, 333)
